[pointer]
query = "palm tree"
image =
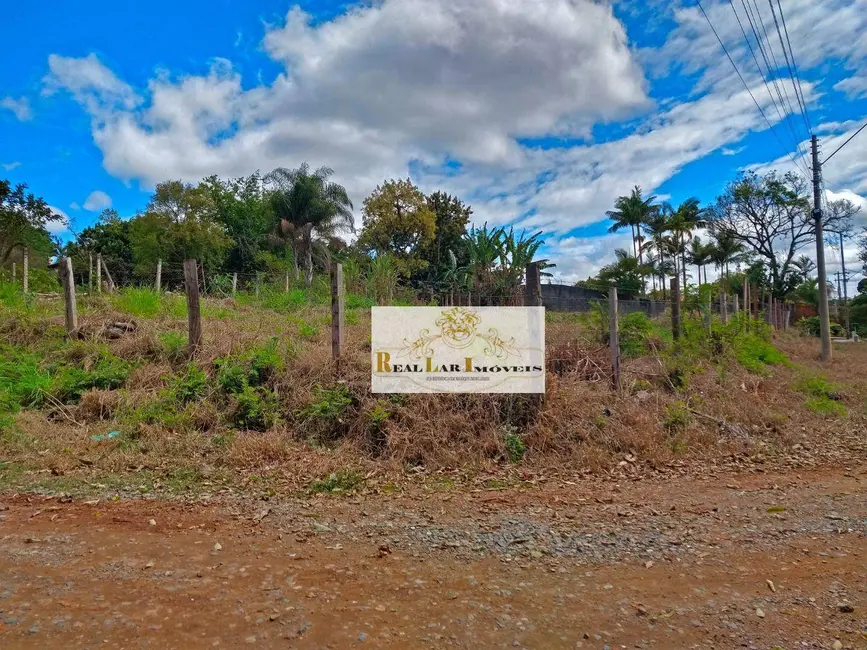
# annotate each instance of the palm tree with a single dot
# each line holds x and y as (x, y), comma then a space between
(726, 250)
(627, 273)
(633, 211)
(682, 222)
(657, 227)
(308, 205)
(805, 266)
(701, 255)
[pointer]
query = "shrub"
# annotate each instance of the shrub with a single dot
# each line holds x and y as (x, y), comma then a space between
(676, 417)
(190, 385)
(264, 362)
(328, 404)
(256, 408)
(515, 447)
(635, 329)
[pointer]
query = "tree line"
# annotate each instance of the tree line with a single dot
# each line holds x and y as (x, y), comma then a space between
(296, 221)
(759, 226)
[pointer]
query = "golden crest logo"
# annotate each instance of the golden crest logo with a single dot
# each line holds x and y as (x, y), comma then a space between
(458, 349)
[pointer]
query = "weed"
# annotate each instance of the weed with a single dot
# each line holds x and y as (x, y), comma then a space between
(515, 447)
(338, 482)
(265, 361)
(755, 353)
(256, 408)
(190, 385)
(174, 344)
(328, 404)
(232, 377)
(823, 396)
(676, 418)
(305, 330)
(147, 303)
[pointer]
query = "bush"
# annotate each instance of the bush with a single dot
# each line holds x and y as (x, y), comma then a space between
(256, 408)
(515, 447)
(190, 385)
(328, 404)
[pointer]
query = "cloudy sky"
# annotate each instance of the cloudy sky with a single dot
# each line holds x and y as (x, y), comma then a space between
(539, 113)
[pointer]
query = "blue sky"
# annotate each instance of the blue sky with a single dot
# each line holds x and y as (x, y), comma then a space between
(537, 112)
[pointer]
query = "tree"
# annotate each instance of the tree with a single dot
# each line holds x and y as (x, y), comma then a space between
(700, 254)
(310, 210)
(726, 250)
(804, 266)
(396, 219)
(632, 211)
(23, 218)
(626, 273)
(242, 207)
(771, 216)
(681, 223)
(657, 226)
(108, 237)
(452, 217)
(180, 222)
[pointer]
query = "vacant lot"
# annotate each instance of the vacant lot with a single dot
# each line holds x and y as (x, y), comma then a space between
(252, 495)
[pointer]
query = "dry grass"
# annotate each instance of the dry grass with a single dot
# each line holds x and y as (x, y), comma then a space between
(581, 423)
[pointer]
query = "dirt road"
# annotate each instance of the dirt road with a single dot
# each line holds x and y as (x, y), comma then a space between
(758, 561)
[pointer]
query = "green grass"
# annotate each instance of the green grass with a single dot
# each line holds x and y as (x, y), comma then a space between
(822, 396)
(328, 404)
(756, 354)
(147, 303)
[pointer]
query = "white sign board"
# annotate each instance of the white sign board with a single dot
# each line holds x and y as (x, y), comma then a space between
(458, 349)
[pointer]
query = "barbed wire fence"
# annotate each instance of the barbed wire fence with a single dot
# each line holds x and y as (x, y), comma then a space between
(570, 351)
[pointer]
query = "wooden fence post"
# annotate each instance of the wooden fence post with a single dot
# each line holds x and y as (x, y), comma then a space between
(26, 277)
(708, 316)
(109, 281)
(257, 283)
(194, 315)
(234, 282)
(68, 282)
(99, 272)
(159, 282)
(735, 306)
(675, 308)
(286, 283)
(533, 290)
(336, 313)
(746, 304)
(724, 308)
(614, 337)
(89, 273)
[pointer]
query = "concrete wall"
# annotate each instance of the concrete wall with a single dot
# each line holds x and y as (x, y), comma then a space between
(564, 297)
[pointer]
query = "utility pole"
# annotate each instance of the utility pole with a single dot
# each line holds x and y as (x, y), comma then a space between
(839, 293)
(845, 288)
(824, 323)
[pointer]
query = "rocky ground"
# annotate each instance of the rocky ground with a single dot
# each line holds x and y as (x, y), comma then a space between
(725, 560)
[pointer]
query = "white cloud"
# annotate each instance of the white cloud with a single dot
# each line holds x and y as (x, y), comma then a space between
(10, 166)
(74, 206)
(60, 226)
(854, 86)
(20, 107)
(96, 201)
(90, 82)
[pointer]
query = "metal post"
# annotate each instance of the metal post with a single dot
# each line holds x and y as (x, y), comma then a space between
(845, 290)
(824, 322)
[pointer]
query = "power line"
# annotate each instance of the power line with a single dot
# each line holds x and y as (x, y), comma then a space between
(743, 81)
(790, 64)
(845, 143)
(781, 112)
(780, 87)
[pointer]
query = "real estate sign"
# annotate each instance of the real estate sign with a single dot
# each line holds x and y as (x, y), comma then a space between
(458, 349)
